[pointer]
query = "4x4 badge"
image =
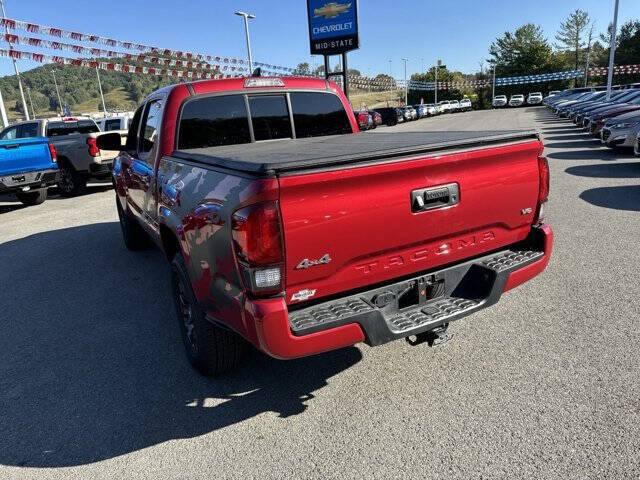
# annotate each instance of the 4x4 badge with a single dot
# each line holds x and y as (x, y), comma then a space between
(306, 263)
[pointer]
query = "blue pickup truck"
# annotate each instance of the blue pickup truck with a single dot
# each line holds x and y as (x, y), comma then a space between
(28, 166)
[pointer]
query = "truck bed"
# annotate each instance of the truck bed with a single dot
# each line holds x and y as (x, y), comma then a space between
(281, 156)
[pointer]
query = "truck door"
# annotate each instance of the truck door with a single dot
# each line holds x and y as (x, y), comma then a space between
(141, 178)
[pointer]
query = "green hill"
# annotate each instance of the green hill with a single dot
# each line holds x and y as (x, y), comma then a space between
(79, 87)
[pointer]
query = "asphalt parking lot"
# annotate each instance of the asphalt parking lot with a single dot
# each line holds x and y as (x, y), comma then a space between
(543, 385)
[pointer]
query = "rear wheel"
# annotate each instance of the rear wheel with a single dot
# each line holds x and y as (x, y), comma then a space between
(211, 349)
(71, 182)
(135, 238)
(35, 197)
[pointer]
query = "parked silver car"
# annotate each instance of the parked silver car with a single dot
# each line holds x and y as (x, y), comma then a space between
(621, 131)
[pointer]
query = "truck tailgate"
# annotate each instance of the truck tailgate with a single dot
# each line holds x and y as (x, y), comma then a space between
(24, 155)
(349, 228)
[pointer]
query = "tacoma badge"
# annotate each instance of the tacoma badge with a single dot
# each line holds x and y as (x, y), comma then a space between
(306, 263)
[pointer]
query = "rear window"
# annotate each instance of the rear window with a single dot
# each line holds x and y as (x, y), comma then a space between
(55, 129)
(214, 122)
(224, 120)
(113, 124)
(318, 114)
(270, 117)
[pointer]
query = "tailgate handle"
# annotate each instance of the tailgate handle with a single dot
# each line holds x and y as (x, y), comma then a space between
(13, 145)
(431, 198)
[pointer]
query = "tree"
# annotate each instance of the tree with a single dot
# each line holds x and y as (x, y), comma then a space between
(524, 51)
(354, 72)
(570, 35)
(302, 69)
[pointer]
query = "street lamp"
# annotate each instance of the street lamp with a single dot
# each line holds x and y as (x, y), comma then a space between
(437, 67)
(406, 85)
(246, 17)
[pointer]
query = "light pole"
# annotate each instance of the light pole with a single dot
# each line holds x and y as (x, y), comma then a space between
(58, 93)
(246, 17)
(437, 67)
(612, 50)
(33, 112)
(406, 85)
(493, 91)
(390, 69)
(104, 107)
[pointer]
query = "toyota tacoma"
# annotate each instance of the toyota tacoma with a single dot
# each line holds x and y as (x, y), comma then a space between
(288, 229)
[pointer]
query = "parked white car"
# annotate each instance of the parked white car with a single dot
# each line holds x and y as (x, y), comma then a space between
(454, 105)
(445, 107)
(499, 101)
(516, 100)
(465, 104)
(534, 98)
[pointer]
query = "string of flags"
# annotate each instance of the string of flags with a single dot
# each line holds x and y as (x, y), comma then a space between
(13, 24)
(117, 67)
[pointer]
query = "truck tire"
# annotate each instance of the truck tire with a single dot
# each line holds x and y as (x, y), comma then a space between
(34, 197)
(135, 238)
(71, 182)
(211, 349)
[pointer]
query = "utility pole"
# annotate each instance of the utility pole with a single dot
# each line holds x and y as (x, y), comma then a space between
(33, 112)
(390, 74)
(15, 67)
(104, 107)
(58, 93)
(612, 50)
(246, 17)
(406, 85)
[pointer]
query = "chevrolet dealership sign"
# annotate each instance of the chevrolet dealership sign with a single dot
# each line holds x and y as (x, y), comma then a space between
(333, 26)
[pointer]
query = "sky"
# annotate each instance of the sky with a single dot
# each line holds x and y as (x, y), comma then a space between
(459, 31)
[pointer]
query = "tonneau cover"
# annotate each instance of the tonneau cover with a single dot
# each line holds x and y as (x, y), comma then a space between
(289, 154)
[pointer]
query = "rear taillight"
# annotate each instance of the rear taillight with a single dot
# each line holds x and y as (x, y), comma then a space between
(258, 244)
(54, 154)
(94, 151)
(543, 190)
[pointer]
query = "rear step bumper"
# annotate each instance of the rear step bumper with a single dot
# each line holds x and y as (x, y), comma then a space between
(401, 309)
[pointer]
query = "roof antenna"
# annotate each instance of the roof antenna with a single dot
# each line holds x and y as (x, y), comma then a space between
(257, 72)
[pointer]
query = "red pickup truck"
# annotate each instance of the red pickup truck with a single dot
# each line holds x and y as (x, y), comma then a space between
(287, 228)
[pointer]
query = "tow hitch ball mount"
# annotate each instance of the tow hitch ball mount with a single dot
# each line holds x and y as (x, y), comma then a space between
(434, 338)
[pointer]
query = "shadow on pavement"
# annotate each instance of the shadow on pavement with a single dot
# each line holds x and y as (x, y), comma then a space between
(618, 198)
(91, 360)
(572, 136)
(583, 143)
(604, 154)
(9, 203)
(607, 170)
(568, 128)
(54, 193)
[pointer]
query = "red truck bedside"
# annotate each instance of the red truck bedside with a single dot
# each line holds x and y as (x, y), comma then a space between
(288, 229)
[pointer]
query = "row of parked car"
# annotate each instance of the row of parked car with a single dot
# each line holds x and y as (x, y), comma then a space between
(614, 120)
(61, 152)
(369, 119)
(517, 100)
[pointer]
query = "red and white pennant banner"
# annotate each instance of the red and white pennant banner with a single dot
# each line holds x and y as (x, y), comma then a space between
(117, 67)
(98, 52)
(617, 70)
(112, 42)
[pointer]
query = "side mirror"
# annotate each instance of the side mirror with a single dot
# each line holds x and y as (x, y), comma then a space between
(109, 141)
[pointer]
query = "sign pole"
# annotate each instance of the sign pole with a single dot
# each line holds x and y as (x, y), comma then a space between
(345, 71)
